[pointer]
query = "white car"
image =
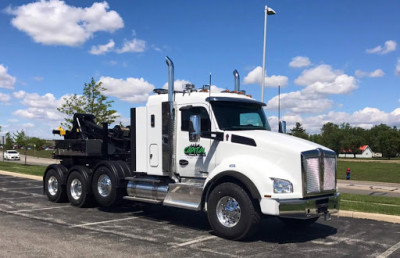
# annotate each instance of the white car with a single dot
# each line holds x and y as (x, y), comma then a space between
(11, 155)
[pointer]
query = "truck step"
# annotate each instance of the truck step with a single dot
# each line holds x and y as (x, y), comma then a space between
(138, 199)
(183, 195)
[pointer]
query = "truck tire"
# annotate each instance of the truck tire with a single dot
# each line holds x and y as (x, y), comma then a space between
(298, 223)
(231, 212)
(78, 194)
(53, 187)
(104, 187)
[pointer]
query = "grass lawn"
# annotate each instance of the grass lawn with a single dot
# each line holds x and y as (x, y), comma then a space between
(370, 171)
(20, 168)
(39, 154)
(371, 204)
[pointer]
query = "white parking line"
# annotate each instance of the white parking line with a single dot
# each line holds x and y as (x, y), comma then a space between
(17, 198)
(390, 251)
(40, 209)
(196, 240)
(106, 221)
(21, 188)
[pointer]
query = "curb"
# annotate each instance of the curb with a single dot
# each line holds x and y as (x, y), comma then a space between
(342, 213)
(371, 216)
(14, 174)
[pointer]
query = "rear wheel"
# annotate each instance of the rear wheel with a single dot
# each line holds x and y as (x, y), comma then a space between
(104, 187)
(77, 190)
(231, 212)
(54, 190)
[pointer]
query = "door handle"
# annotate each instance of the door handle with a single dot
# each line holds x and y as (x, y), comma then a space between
(183, 162)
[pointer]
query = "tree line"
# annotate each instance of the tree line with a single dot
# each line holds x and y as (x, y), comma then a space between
(20, 140)
(346, 138)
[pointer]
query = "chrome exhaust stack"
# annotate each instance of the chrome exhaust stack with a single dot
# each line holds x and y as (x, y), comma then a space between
(237, 80)
(171, 130)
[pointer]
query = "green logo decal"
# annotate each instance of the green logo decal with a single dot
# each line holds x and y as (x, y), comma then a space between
(194, 150)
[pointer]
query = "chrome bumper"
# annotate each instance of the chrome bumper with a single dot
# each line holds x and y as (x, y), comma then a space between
(309, 208)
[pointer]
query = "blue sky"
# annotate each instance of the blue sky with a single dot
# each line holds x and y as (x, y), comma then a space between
(336, 61)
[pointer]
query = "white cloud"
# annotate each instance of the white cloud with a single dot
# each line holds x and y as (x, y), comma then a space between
(134, 46)
(324, 80)
(299, 62)
(299, 102)
(133, 90)
(38, 78)
(374, 74)
(398, 67)
(56, 23)
(321, 73)
(19, 94)
(254, 77)
(364, 118)
(39, 114)
(101, 49)
(4, 97)
(6, 81)
(389, 46)
(28, 125)
(39, 107)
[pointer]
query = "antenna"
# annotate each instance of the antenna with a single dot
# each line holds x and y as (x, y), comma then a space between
(279, 104)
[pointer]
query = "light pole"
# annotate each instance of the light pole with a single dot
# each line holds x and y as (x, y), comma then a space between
(268, 11)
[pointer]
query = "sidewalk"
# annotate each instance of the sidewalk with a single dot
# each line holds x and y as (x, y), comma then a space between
(369, 188)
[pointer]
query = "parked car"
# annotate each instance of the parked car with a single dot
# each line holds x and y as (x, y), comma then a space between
(11, 155)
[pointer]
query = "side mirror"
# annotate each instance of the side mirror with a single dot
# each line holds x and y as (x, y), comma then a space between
(282, 127)
(194, 128)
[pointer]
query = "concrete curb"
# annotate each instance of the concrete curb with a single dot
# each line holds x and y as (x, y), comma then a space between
(14, 174)
(372, 216)
(342, 213)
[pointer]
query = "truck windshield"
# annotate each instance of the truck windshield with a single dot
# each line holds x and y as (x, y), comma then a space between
(239, 116)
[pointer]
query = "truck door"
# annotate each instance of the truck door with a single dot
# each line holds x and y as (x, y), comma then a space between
(194, 159)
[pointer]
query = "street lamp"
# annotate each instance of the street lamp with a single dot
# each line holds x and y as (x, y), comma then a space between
(268, 11)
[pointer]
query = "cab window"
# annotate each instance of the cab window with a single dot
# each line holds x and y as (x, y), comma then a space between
(202, 112)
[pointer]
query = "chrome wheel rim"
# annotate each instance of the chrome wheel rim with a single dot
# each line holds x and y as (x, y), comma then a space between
(76, 189)
(228, 211)
(52, 185)
(104, 185)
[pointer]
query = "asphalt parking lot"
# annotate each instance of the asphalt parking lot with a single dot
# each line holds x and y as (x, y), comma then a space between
(31, 226)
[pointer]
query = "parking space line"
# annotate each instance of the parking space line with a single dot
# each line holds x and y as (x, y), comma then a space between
(21, 188)
(17, 198)
(40, 209)
(105, 221)
(390, 251)
(196, 240)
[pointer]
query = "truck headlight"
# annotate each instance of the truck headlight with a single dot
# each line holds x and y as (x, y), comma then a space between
(282, 186)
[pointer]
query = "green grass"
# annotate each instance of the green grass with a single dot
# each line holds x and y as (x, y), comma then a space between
(23, 169)
(371, 204)
(370, 171)
(39, 154)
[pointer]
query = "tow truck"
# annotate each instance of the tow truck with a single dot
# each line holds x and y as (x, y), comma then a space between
(198, 150)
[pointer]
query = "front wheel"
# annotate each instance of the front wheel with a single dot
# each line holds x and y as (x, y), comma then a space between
(231, 212)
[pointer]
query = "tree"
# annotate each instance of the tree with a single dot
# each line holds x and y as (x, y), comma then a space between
(93, 101)
(299, 131)
(9, 141)
(36, 142)
(331, 136)
(385, 140)
(21, 139)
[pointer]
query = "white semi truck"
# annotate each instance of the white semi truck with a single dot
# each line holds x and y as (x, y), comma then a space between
(197, 150)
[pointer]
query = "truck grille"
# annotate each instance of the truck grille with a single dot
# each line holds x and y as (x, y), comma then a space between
(319, 172)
